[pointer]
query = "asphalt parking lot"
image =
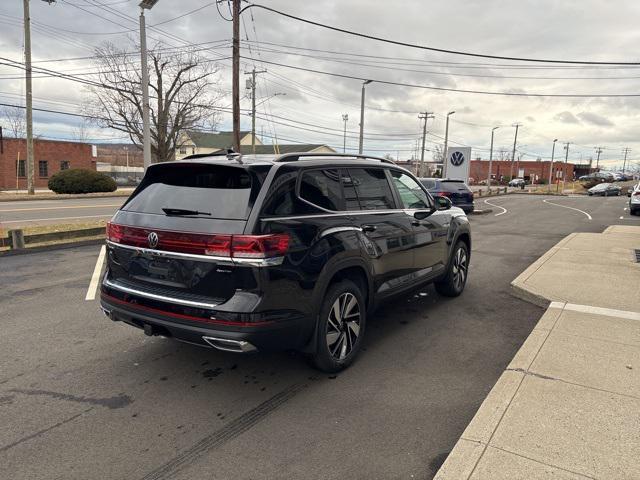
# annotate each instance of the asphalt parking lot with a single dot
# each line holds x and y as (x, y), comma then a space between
(82, 397)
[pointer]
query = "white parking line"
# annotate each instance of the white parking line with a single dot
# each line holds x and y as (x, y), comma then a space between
(609, 312)
(504, 210)
(570, 208)
(95, 278)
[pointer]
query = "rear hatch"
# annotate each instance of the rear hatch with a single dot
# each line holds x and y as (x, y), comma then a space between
(457, 191)
(173, 237)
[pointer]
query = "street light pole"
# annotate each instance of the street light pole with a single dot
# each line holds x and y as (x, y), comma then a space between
(445, 159)
(146, 126)
(513, 154)
(366, 82)
(553, 151)
(490, 160)
(566, 160)
(345, 117)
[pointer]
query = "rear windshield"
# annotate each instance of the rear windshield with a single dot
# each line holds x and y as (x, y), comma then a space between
(453, 185)
(224, 192)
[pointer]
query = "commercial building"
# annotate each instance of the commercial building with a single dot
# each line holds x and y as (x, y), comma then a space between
(532, 171)
(50, 156)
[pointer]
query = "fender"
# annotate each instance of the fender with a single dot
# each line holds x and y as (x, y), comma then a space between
(459, 225)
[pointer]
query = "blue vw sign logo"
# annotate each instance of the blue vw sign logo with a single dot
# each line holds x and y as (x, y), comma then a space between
(457, 159)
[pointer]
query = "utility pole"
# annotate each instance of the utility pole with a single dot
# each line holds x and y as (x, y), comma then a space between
(29, 97)
(566, 160)
(553, 152)
(624, 165)
(445, 159)
(345, 118)
(366, 82)
(423, 116)
(146, 127)
(513, 154)
(598, 151)
(236, 76)
(253, 74)
(490, 160)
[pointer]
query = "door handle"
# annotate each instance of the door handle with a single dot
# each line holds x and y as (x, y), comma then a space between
(416, 223)
(369, 228)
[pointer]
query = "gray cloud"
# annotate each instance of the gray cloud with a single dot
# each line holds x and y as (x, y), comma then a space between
(595, 119)
(566, 117)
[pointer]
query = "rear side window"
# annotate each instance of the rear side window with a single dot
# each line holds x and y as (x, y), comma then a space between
(225, 192)
(367, 188)
(322, 188)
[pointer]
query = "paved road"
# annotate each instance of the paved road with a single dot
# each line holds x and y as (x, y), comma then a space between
(41, 212)
(81, 397)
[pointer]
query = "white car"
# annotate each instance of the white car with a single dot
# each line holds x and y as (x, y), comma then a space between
(634, 200)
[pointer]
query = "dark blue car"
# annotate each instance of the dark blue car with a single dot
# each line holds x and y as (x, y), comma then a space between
(456, 190)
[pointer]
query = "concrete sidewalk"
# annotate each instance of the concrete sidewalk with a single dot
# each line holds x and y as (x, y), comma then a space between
(568, 405)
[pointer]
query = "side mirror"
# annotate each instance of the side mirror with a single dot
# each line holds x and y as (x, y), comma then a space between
(422, 214)
(442, 203)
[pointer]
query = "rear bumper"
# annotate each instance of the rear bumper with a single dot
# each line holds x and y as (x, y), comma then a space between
(467, 207)
(288, 333)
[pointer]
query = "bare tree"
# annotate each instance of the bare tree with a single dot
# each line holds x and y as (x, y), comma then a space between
(81, 132)
(438, 153)
(15, 118)
(183, 94)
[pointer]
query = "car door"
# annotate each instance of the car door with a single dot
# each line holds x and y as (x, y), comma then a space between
(369, 196)
(430, 249)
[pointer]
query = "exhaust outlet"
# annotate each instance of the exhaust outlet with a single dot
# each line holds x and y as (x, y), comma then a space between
(107, 312)
(227, 345)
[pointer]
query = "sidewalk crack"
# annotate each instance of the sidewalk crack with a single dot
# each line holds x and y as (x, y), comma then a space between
(533, 374)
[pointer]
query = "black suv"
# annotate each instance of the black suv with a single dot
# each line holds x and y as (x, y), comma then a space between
(455, 190)
(288, 252)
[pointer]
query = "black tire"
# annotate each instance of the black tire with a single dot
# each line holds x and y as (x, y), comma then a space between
(452, 284)
(332, 354)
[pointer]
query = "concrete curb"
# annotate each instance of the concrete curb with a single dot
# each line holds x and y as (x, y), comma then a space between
(57, 246)
(484, 211)
(21, 198)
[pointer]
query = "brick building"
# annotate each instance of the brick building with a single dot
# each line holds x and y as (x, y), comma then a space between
(50, 156)
(120, 154)
(532, 171)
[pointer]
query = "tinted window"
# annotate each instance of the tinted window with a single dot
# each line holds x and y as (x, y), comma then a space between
(429, 184)
(322, 188)
(411, 195)
(225, 192)
(281, 197)
(453, 186)
(368, 188)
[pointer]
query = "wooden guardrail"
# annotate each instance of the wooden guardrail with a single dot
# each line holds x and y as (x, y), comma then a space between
(16, 239)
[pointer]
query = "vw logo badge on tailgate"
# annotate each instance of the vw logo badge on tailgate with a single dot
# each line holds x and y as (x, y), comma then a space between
(153, 239)
(457, 158)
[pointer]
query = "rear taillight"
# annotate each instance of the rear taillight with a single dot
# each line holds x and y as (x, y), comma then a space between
(443, 194)
(239, 246)
(259, 246)
(636, 193)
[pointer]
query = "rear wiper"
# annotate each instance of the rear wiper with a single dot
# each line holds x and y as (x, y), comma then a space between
(183, 211)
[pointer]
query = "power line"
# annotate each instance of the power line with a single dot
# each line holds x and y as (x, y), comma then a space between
(433, 49)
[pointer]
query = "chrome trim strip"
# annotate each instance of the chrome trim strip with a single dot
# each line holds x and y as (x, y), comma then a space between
(153, 296)
(240, 345)
(336, 214)
(253, 262)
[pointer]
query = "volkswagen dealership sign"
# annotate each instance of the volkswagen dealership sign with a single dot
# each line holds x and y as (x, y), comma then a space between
(458, 161)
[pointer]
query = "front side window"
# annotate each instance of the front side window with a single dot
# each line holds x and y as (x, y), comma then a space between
(411, 195)
(43, 168)
(322, 189)
(367, 189)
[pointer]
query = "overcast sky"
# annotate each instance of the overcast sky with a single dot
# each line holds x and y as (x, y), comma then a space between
(568, 29)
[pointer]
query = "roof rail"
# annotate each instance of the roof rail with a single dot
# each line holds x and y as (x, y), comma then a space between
(294, 157)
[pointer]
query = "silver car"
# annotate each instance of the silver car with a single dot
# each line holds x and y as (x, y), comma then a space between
(634, 200)
(605, 190)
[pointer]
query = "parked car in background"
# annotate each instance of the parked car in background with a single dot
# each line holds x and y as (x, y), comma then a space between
(455, 190)
(277, 252)
(517, 182)
(595, 178)
(605, 190)
(634, 200)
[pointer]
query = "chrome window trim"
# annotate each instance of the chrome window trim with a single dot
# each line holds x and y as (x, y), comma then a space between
(154, 296)
(253, 262)
(348, 213)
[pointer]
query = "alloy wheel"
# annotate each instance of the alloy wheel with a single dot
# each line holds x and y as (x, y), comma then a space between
(343, 326)
(459, 268)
